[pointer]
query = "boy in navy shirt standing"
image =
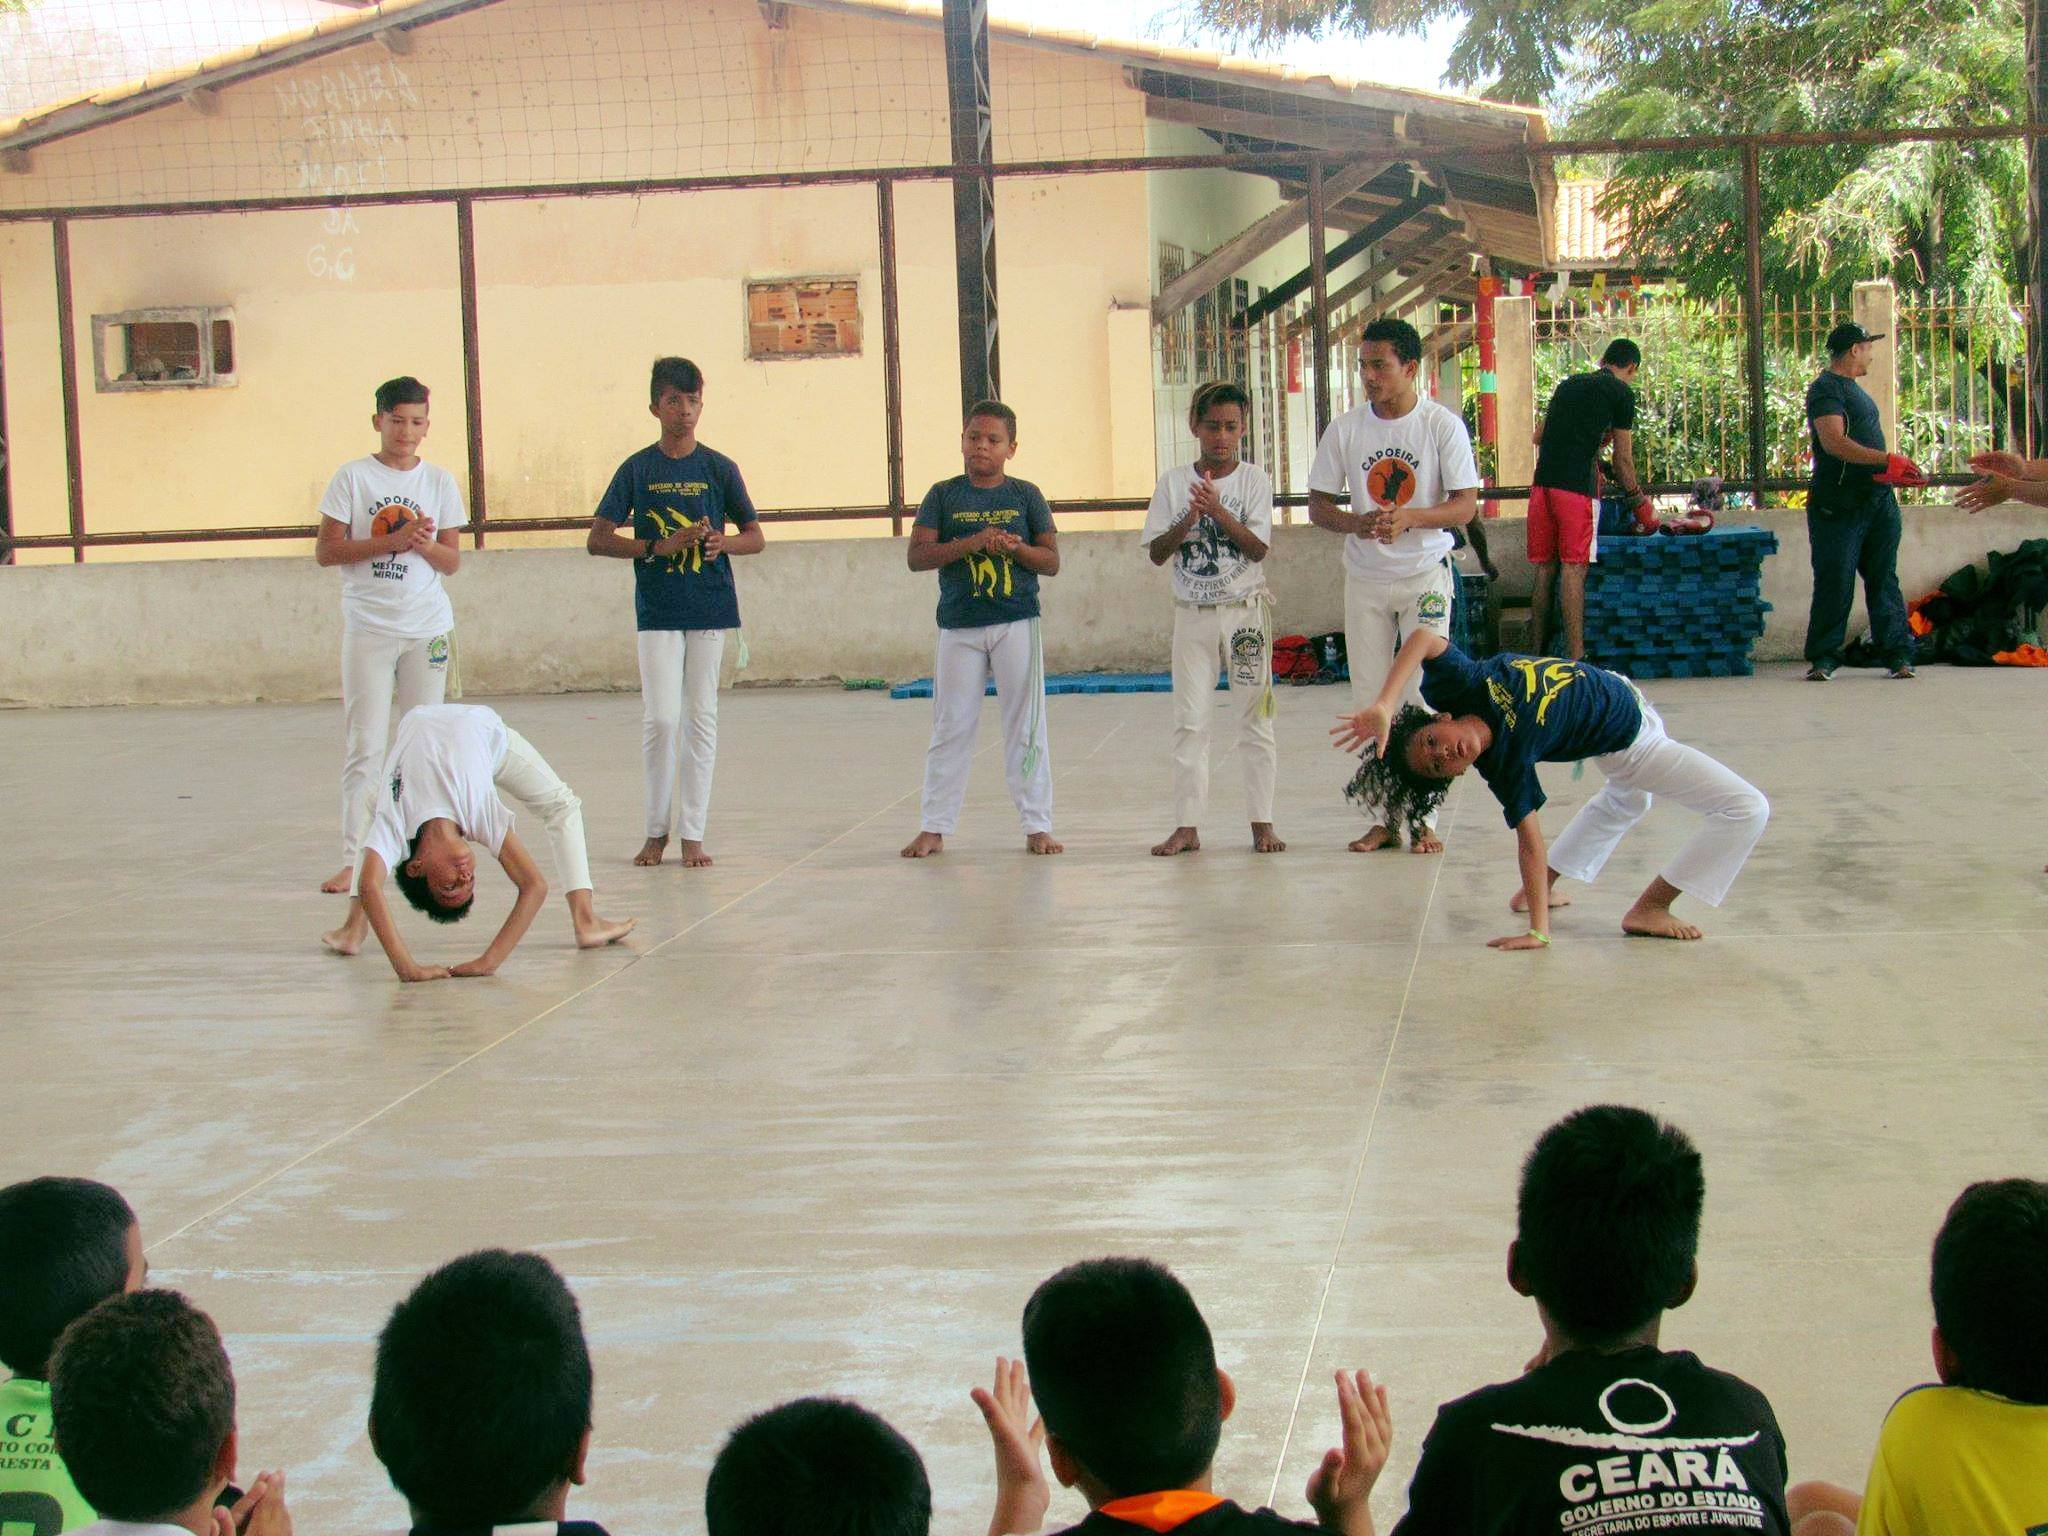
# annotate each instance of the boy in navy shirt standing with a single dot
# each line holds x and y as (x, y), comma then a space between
(1506, 714)
(679, 496)
(990, 538)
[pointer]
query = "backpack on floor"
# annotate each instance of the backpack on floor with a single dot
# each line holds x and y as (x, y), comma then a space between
(1294, 660)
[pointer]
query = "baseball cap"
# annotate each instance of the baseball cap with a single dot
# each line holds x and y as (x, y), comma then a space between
(1847, 335)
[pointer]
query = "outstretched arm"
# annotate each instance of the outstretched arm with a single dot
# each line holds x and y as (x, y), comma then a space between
(1534, 858)
(370, 892)
(1372, 723)
(533, 893)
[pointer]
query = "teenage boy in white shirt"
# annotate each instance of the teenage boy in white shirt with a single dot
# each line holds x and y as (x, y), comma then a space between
(1407, 463)
(1212, 520)
(392, 522)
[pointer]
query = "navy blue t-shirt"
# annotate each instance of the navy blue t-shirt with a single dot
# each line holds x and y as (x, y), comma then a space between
(986, 588)
(1541, 709)
(659, 496)
(1838, 484)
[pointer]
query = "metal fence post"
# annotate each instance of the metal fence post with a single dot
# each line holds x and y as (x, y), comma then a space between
(892, 348)
(1753, 241)
(1319, 294)
(472, 367)
(67, 369)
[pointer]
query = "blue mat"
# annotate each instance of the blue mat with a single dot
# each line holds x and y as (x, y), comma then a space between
(1070, 682)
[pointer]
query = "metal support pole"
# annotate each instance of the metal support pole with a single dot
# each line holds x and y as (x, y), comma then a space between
(6, 462)
(1319, 294)
(67, 370)
(1753, 241)
(472, 367)
(2037, 224)
(974, 208)
(892, 349)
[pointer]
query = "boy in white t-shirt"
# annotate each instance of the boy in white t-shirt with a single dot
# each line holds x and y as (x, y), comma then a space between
(391, 522)
(448, 763)
(1407, 463)
(1212, 519)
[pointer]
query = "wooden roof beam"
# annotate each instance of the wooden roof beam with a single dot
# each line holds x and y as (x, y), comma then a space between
(1369, 235)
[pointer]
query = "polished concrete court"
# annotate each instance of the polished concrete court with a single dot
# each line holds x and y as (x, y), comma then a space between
(829, 1116)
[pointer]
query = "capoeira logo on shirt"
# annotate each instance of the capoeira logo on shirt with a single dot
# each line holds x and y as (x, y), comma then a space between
(1391, 479)
(388, 516)
(991, 575)
(668, 520)
(1202, 553)
(1649, 1481)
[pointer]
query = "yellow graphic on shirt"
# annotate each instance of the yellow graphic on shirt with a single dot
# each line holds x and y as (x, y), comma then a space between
(1543, 679)
(991, 575)
(668, 520)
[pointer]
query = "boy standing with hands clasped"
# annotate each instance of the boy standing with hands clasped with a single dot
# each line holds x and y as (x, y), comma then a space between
(990, 538)
(679, 496)
(391, 521)
(1212, 519)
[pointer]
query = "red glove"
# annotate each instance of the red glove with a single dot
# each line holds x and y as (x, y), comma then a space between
(1645, 511)
(1900, 470)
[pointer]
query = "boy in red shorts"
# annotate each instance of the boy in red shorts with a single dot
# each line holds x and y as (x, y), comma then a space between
(1564, 505)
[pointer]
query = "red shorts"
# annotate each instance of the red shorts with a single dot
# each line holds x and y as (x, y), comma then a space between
(1561, 526)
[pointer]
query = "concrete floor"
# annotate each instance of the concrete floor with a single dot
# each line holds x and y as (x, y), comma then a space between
(831, 1116)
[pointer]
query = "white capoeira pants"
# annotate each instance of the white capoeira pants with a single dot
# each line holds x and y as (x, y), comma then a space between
(1380, 615)
(374, 668)
(679, 726)
(1653, 764)
(1239, 636)
(525, 779)
(966, 659)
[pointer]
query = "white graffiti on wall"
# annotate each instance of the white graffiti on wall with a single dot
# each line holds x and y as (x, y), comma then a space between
(335, 257)
(348, 128)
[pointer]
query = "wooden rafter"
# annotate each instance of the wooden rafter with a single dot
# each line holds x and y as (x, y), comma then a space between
(1406, 294)
(1426, 245)
(1367, 236)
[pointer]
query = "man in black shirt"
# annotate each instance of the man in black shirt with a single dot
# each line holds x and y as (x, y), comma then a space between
(1852, 517)
(1585, 410)
(1604, 1432)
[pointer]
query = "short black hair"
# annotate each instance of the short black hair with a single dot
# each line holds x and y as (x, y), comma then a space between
(995, 410)
(142, 1399)
(1991, 1287)
(1608, 1222)
(63, 1250)
(403, 390)
(1621, 353)
(421, 894)
(1389, 787)
(1221, 392)
(483, 1389)
(1398, 334)
(819, 1466)
(673, 373)
(1124, 1371)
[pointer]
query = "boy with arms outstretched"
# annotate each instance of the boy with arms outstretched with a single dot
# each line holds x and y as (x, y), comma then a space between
(1506, 714)
(446, 767)
(391, 521)
(1212, 520)
(990, 538)
(679, 496)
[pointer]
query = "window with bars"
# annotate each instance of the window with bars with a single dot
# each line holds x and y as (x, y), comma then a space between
(796, 317)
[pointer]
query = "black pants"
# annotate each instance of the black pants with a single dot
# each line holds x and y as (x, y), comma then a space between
(1847, 545)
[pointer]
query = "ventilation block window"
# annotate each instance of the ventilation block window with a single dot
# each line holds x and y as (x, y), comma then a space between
(171, 348)
(803, 317)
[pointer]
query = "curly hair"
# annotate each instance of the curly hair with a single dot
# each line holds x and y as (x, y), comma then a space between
(1386, 787)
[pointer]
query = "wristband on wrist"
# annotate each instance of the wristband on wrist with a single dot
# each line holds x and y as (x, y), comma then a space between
(1540, 938)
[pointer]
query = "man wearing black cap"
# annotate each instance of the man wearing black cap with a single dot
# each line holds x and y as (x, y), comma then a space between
(1852, 517)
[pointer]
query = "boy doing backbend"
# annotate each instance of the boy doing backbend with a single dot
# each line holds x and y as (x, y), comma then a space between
(447, 765)
(1506, 714)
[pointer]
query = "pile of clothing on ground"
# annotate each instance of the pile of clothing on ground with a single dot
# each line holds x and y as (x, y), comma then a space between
(1991, 617)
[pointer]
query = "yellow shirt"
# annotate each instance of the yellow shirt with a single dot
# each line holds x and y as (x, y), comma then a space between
(1956, 1462)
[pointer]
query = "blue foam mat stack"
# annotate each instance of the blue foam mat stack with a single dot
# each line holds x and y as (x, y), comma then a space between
(1678, 605)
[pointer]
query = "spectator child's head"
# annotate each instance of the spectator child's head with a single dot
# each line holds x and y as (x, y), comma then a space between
(65, 1246)
(1424, 753)
(988, 441)
(675, 396)
(401, 418)
(1389, 356)
(1125, 1375)
(1991, 1290)
(143, 1404)
(817, 1467)
(1218, 416)
(1622, 358)
(481, 1407)
(438, 876)
(1608, 1225)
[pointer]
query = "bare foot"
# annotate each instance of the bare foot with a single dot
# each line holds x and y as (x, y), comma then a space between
(1519, 902)
(1654, 922)
(1376, 837)
(600, 931)
(1041, 842)
(650, 852)
(337, 884)
(1425, 841)
(1265, 839)
(345, 940)
(925, 845)
(1183, 840)
(692, 853)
